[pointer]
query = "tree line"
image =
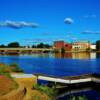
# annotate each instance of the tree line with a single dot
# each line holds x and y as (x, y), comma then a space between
(17, 45)
(40, 45)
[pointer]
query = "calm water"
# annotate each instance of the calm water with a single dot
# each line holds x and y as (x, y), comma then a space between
(89, 95)
(60, 65)
(56, 64)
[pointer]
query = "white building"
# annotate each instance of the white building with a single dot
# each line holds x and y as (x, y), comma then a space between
(81, 45)
(93, 46)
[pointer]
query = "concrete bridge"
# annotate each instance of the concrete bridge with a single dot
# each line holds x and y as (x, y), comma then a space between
(24, 50)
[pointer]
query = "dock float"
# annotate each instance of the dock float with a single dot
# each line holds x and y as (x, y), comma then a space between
(71, 79)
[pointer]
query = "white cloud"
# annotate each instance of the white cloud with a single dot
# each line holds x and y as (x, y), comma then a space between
(90, 32)
(68, 20)
(17, 25)
(90, 16)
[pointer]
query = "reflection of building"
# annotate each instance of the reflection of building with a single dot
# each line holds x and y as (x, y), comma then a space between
(81, 55)
(98, 55)
(82, 45)
(93, 55)
(63, 55)
(62, 44)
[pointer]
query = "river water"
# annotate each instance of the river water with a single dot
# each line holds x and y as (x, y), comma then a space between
(59, 65)
(68, 64)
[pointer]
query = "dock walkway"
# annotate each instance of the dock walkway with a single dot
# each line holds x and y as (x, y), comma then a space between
(71, 79)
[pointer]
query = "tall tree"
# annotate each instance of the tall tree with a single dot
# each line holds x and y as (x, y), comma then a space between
(2, 46)
(41, 45)
(98, 45)
(14, 44)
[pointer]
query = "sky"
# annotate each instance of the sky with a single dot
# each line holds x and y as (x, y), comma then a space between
(35, 21)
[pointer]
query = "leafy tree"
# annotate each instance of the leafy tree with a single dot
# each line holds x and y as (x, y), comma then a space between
(42, 45)
(14, 44)
(98, 45)
(62, 50)
(2, 46)
(33, 46)
(47, 46)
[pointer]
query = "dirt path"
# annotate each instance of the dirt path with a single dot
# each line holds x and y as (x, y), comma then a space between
(30, 93)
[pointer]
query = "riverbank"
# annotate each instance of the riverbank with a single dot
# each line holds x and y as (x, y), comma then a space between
(7, 85)
(28, 81)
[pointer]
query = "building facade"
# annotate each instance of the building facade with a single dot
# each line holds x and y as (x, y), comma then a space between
(62, 44)
(81, 45)
(59, 44)
(93, 47)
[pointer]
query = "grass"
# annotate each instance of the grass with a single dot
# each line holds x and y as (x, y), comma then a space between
(4, 72)
(78, 98)
(9, 68)
(51, 92)
(15, 67)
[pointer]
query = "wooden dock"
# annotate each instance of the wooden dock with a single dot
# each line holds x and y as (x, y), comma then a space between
(71, 79)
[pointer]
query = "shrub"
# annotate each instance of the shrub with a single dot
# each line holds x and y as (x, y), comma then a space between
(78, 98)
(15, 67)
(51, 92)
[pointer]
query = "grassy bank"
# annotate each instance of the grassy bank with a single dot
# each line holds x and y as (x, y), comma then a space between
(7, 83)
(51, 92)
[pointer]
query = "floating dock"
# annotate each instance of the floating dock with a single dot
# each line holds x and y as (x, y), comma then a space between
(71, 79)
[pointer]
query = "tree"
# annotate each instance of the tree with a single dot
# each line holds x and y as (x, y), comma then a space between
(98, 45)
(2, 46)
(62, 50)
(42, 45)
(14, 44)
(47, 46)
(33, 46)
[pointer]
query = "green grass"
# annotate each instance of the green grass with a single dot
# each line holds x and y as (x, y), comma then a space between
(3, 72)
(51, 92)
(78, 98)
(15, 67)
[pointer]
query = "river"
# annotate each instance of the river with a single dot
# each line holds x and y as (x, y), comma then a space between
(59, 65)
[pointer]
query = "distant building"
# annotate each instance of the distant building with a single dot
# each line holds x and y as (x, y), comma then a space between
(59, 44)
(93, 47)
(81, 45)
(62, 44)
(68, 47)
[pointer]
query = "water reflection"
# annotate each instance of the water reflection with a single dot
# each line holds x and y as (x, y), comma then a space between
(98, 55)
(81, 55)
(84, 55)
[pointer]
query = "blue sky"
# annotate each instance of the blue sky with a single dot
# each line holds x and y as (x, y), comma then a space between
(49, 16)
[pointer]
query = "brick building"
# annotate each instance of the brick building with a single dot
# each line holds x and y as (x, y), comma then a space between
(62, 44)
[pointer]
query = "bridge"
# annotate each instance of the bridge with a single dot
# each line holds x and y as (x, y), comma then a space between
(23, 50)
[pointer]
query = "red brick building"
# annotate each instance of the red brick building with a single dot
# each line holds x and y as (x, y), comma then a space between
(59, 44)
(68, 47)
(62, 44)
